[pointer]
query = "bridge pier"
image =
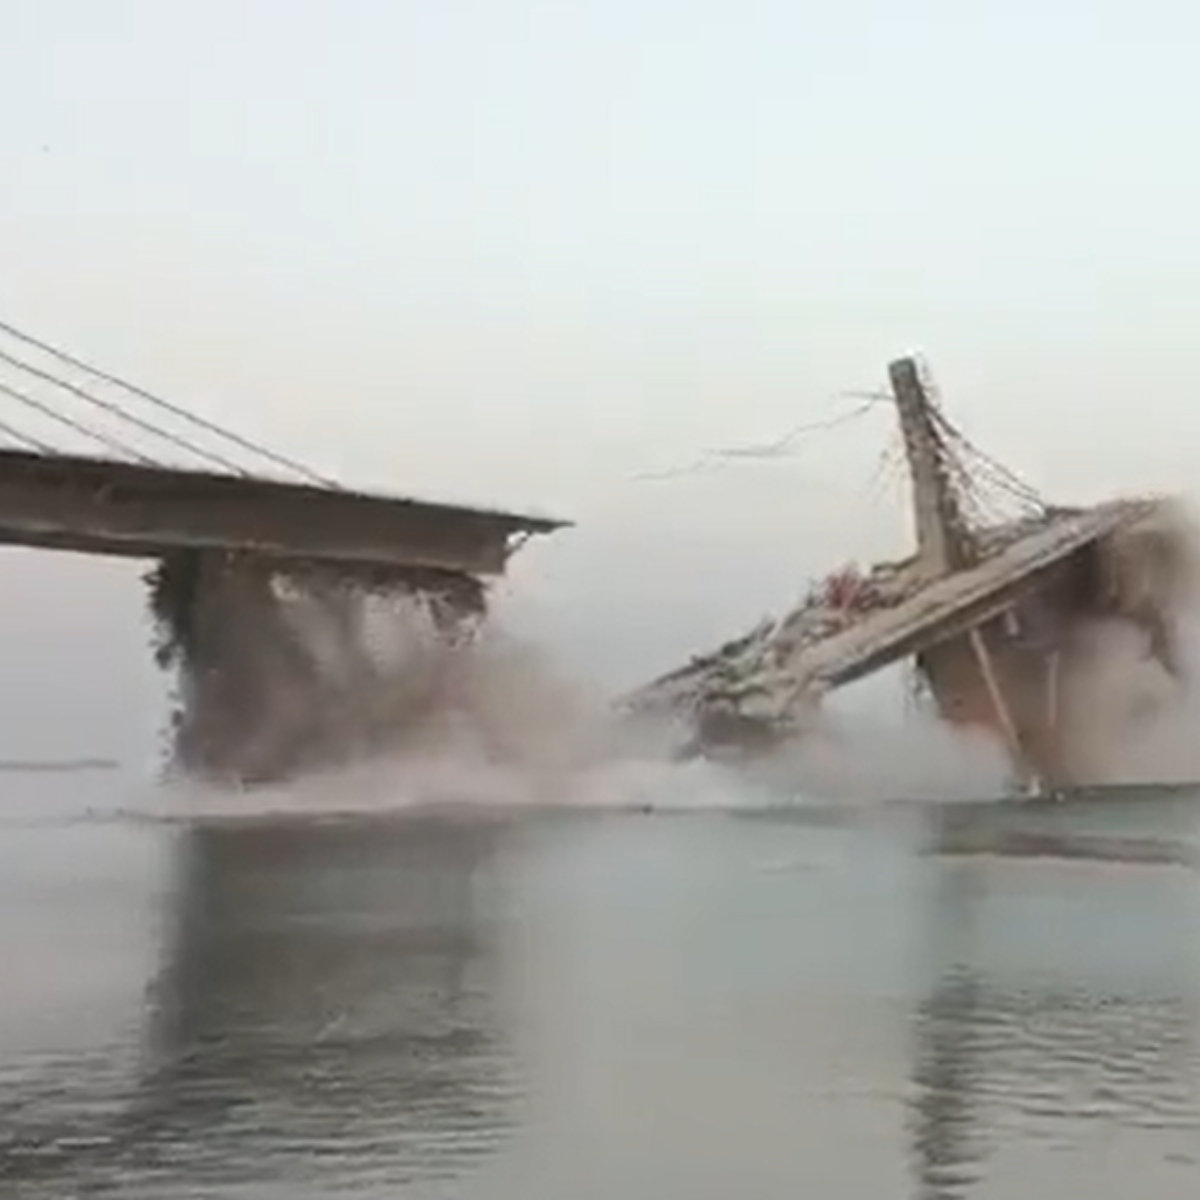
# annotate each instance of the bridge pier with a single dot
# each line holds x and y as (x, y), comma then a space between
(281, 670)
(260, 584)
(243, 680)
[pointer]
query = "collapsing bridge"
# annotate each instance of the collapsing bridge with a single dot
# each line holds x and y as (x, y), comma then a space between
(994, 616)
(278, 602)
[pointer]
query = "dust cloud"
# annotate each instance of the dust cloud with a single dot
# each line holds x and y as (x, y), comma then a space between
(1131, 698)
(419, 718)
(493, 724)
(1135, 723)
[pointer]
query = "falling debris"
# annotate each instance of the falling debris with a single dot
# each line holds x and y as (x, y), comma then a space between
(284, 669)
(994, 607)
(306, 623)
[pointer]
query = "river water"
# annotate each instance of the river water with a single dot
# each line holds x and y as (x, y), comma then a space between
(669, 1006)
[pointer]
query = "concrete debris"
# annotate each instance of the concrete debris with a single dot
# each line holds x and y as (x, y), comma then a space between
(765, 673)
(992, 613)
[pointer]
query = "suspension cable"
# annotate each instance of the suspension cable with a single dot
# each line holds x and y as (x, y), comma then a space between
(167, 406)
(117, 410)
(50, 411)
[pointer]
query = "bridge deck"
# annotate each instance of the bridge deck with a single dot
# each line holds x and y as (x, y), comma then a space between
(953, 604)
(764, 666)
(100, 506)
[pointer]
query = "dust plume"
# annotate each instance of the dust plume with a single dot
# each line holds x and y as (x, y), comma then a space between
(320, 690)
(1134, 723)
(871, 759)
(1131, 690)
(288, 675)
(369, 701)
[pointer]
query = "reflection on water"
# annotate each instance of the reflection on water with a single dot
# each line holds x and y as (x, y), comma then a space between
(319, 974)
(620, 1007)
(947, 1125)
(325, 999)
(1081, 1046)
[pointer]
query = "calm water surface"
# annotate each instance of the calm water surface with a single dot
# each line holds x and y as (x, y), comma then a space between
(672, 1007)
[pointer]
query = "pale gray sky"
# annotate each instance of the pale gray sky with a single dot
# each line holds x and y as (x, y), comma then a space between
(520, 251)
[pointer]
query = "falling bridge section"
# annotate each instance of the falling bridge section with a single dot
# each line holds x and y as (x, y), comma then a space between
(991, 611)
(280, 601)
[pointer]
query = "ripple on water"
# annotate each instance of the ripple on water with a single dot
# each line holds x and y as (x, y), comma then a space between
(331, 1008)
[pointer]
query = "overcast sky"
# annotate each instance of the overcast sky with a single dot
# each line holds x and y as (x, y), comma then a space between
(523, 251)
